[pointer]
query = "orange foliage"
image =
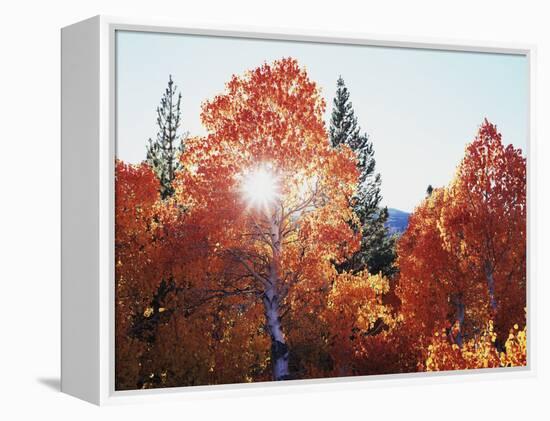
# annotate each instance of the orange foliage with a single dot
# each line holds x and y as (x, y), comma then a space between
(354, 313)
(479, 352)
(213, 287)
(484, 224)
(463, 259)
(271, 120)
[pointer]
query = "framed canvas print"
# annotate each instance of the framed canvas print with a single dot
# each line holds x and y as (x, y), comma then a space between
(244, 210)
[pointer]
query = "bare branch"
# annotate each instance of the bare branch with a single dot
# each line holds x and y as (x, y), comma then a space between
(263, 280)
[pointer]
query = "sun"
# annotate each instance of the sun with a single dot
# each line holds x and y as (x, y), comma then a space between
(260, 187)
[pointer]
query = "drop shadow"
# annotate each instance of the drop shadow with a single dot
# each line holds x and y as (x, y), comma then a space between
(53, 383)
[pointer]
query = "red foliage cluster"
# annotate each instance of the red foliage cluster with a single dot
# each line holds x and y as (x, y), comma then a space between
(211, 289)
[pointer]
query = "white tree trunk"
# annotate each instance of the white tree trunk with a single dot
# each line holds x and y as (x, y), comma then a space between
(279, 348)
(271, 300)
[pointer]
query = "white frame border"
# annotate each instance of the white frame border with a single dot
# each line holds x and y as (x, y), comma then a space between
(107, 26)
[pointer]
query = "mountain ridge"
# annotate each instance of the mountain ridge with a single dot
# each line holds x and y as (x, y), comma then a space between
(398, 221)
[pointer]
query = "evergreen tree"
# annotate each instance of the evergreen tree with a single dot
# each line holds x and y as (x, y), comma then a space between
(429, 190)
(377, 253)
(163, 152)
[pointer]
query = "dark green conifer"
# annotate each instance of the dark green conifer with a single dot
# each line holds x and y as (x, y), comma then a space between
(163, 153)
(377, 253)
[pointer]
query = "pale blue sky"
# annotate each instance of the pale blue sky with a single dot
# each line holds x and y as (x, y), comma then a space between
(420, 107)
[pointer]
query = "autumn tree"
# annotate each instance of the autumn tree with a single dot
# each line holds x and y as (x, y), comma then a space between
(136, 196)
(435, 292)
(377, 252)
(271, 195)
(484, 223)
(462, 258)
(163, 152)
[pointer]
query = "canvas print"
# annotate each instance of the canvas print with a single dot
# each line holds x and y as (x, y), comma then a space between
(300, 210)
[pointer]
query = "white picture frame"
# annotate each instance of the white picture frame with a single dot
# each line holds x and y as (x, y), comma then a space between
(88, 151)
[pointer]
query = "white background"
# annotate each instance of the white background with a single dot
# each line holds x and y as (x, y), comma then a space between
(29, 208)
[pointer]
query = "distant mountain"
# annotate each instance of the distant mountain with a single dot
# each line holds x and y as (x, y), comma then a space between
(397, 221)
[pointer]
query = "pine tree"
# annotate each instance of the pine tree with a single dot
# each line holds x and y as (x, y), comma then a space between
(163, 152)
(377, 253)
(429, 190)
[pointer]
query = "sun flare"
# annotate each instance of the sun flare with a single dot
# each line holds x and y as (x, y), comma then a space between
(260, 187)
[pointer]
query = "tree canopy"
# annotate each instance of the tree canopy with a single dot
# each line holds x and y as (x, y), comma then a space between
(261, 261)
